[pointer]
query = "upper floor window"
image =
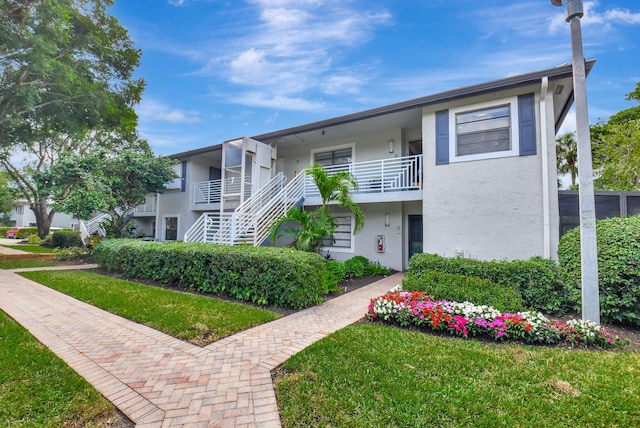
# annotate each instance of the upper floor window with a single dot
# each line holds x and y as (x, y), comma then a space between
(483, 131)
(20, 209)
(333, 157)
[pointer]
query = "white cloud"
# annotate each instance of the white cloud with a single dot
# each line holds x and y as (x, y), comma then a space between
(293, 48)
(603, 21)
(343, 84)
(155, 111)
(283, 102)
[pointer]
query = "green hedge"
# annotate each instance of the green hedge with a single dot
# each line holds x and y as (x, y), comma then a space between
(265, 275)
(460, 288)
(538, 280)
(24, 232)
(618, 241)
(66, 239)
(3, 230)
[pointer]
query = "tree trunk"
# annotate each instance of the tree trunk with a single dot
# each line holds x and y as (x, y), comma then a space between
(43, 217)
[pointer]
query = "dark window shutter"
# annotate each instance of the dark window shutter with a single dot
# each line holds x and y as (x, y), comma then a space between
(183, 177)
(527, 124)
(442, 137)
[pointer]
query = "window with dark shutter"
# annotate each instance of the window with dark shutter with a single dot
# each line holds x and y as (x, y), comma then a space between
(483, 131)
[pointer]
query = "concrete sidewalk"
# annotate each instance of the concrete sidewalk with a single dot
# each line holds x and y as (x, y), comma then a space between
(159, 381)
(10, 251)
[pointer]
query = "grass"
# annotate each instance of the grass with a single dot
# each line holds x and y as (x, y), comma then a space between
(198, 319)
(30, 248)
(372, 375)
(26, 263)
(38, 389)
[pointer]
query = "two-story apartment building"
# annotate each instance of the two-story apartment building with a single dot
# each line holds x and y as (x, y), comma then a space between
(468, 172)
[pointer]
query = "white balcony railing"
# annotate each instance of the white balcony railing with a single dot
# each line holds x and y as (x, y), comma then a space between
(250, 222)
(210, 192)
(379, 176)
(150, 205)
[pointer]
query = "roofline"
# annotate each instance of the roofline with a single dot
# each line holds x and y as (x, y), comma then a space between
(194, 152)
(564, 70)
(561, 71)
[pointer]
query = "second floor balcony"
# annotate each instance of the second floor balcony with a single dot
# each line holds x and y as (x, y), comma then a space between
(207, 193)
(149, 207)
(383, 180)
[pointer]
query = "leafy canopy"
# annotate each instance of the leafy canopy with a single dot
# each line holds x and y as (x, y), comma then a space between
(66, 85)
(616, 149)
(116, 184)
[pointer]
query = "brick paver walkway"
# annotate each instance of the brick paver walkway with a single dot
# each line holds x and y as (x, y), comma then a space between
(159, 381)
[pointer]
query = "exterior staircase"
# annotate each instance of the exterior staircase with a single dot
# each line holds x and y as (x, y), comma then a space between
(250, 223)
(93, 226)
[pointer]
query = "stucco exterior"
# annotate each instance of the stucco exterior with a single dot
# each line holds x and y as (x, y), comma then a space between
(492, 205)
(491, 208)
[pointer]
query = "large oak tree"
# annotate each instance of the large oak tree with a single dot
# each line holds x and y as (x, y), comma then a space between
(66, 85)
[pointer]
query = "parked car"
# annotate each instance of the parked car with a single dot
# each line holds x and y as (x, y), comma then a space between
(12, 233)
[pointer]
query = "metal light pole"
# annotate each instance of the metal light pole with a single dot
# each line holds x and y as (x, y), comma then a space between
(588, 244)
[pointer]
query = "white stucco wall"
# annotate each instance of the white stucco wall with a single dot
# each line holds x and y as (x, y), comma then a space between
(368, 146)
(492, 208)
(27, 218)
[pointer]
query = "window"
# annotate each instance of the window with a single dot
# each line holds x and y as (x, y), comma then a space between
(334, 157)
(483, 131)
(487, 130)
(343, 235)
(20, 209)
(170, 228)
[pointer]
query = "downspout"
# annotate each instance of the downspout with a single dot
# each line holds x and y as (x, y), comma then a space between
(544, 136)
(155, 235)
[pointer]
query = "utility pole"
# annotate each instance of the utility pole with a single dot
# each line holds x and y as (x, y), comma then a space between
(588, 243)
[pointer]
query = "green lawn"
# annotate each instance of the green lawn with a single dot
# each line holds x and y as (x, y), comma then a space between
(374, 375)
(197, 319)
(26, 263)
(30, 248)
(38, 389)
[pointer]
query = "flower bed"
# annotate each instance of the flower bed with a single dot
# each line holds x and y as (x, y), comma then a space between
(415, 308)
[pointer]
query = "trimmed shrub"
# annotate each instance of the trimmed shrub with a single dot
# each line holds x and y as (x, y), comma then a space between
(71, 253)
(24, 232)
(459, 288)
(3, 230)
(355, 266)
(265, 275)
(34, 239)
(66, 239)
(618, 268)
(334, 272)
(538, 280)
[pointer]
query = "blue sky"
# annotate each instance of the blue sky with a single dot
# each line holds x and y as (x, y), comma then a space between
(221, 69)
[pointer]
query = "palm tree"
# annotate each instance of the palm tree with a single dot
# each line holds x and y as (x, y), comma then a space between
(567, 156)
(313, 227)
(337, 188)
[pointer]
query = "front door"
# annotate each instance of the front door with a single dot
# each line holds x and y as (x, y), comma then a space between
(415, 235)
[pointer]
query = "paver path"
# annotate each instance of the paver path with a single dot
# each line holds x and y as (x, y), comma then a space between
(159, 381)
